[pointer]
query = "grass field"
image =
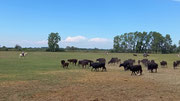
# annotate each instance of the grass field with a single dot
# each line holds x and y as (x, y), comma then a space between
(40, 77)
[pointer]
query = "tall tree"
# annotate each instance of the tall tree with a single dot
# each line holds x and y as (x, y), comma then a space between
(116, 43)
(167, 44)
(53, 40)
(144, 42)
(157, 42)
(18, 47)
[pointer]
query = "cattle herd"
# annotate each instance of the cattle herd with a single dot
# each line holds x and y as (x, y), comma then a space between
(100, 64)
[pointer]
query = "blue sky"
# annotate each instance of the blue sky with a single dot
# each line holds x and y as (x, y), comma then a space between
(84, 23)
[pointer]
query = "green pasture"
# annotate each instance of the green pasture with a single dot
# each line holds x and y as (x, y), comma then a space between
(13, 68)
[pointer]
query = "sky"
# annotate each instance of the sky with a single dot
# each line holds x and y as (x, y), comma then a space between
(84, 23)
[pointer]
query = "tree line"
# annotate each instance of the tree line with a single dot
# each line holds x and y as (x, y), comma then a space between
(132, 42)
(144, 42)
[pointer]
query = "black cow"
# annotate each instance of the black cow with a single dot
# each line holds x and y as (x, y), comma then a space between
(114, 60)
(152, 61)
(145, 62)
(126, 64)
(175, 64)
(136, 69)
(152, 66)
(101, 60)
(96, 66)
(134, 54)
(178, 62)
(64, 64)
(163, 63)
(74, 61)
(89, 61)
(84, 63)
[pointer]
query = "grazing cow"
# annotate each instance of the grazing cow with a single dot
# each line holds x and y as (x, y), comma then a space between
(114, 60)
(64, 64)
(97, 65)
(132, 60)
(178, 62)
(126, 64)
(89, 61)
(175, 64)
(84, 63)
(152, 66)
(74, 61)
(101, 60)
(163, 63)
(134, 54)
(145, 62)
(79, 62)
(136, 69)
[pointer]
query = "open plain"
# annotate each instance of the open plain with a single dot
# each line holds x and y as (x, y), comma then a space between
(39, 76)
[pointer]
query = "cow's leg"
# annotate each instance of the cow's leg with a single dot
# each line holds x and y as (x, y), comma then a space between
(131, 73)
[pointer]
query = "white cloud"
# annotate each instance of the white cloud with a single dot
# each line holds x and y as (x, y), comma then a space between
(98, 40)
(84, 42)
(42, 42)
(75, 39)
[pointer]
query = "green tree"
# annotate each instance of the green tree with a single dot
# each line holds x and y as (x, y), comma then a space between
(179, 47)
(157, 42)
(167, 44)
(116, 45)
(18, 47)
(53, 40)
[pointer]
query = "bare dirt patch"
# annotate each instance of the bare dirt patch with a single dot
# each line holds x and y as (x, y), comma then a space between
(113, 85)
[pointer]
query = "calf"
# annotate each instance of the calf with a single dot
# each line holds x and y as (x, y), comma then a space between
(74, 61)
(65, 65)
(136, 69)
(163, 63)
(134, 54)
